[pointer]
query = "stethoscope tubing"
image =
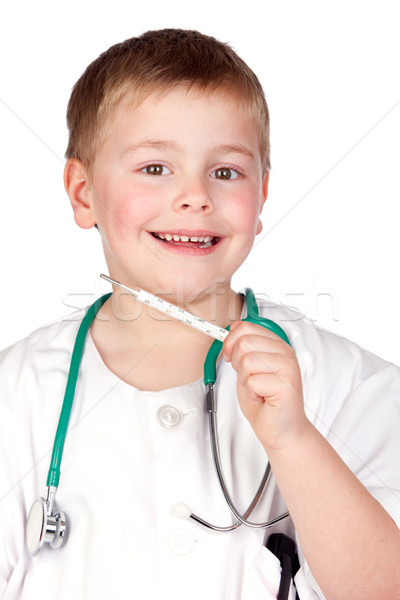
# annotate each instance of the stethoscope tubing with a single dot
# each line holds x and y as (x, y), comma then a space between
(53, 476)
(220, 474)
(210, 375)
(53, 526)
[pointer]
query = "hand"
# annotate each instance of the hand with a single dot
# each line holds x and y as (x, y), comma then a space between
(269, 386)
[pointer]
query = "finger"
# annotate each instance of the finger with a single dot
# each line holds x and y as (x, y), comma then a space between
(254, 363)
(270, 388)
(261, 387)
(242, 328)
(255, 344)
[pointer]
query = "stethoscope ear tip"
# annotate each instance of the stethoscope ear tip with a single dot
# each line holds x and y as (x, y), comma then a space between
(181, 510)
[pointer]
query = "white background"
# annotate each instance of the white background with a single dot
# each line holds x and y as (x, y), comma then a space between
(331, 74)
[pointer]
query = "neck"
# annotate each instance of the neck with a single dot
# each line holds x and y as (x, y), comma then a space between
(152, 351)
(124, 313)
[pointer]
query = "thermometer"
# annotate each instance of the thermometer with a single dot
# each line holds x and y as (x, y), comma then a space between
(176, 312)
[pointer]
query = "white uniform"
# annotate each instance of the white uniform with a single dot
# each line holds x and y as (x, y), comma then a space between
(131, 455)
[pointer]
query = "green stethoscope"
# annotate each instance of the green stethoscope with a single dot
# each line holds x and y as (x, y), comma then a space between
(45, 524)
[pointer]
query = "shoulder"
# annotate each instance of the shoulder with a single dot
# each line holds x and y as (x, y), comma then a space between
(54, 334)
(45, 350)
(33, 374)
(320, 345)
(333, 367)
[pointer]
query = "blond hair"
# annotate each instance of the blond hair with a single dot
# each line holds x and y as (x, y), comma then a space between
(154, 62)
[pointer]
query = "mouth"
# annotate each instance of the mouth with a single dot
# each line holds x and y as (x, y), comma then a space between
(189, 240)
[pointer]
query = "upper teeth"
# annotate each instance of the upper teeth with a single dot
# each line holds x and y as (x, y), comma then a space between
(183, 238)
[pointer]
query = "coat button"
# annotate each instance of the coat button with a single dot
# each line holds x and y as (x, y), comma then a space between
(169, 416)
(181, 542)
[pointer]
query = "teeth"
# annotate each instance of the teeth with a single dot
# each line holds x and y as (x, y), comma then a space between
(205, 239)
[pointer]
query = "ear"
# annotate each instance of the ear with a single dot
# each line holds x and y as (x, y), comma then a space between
(76, 181)
(264, 196)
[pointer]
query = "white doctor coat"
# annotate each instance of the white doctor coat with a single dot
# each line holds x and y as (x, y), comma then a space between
(131, 455)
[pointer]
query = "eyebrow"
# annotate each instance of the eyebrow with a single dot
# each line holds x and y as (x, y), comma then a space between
(234, 149)
(172, 145)
(151, 144)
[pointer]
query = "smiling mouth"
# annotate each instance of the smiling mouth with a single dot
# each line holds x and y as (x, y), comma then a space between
(194, 241)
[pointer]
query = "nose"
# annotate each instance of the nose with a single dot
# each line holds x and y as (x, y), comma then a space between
(193, 196)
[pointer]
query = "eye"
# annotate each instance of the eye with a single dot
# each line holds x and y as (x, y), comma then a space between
(225, 173)
(156, 169)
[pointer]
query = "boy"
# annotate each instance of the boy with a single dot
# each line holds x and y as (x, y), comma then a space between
(169, 158)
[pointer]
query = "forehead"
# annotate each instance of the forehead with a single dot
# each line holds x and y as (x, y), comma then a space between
(183, 115)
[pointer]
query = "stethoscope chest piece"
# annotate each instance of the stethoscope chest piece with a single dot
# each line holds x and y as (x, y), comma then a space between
(42, 527)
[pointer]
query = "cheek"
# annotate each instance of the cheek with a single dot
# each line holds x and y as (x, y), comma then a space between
(128, 212)
(244, 216)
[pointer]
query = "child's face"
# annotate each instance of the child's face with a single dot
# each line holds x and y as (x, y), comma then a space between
(185, 164)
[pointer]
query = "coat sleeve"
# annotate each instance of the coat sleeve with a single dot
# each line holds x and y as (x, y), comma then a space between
(366, 435)
(353, 398)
